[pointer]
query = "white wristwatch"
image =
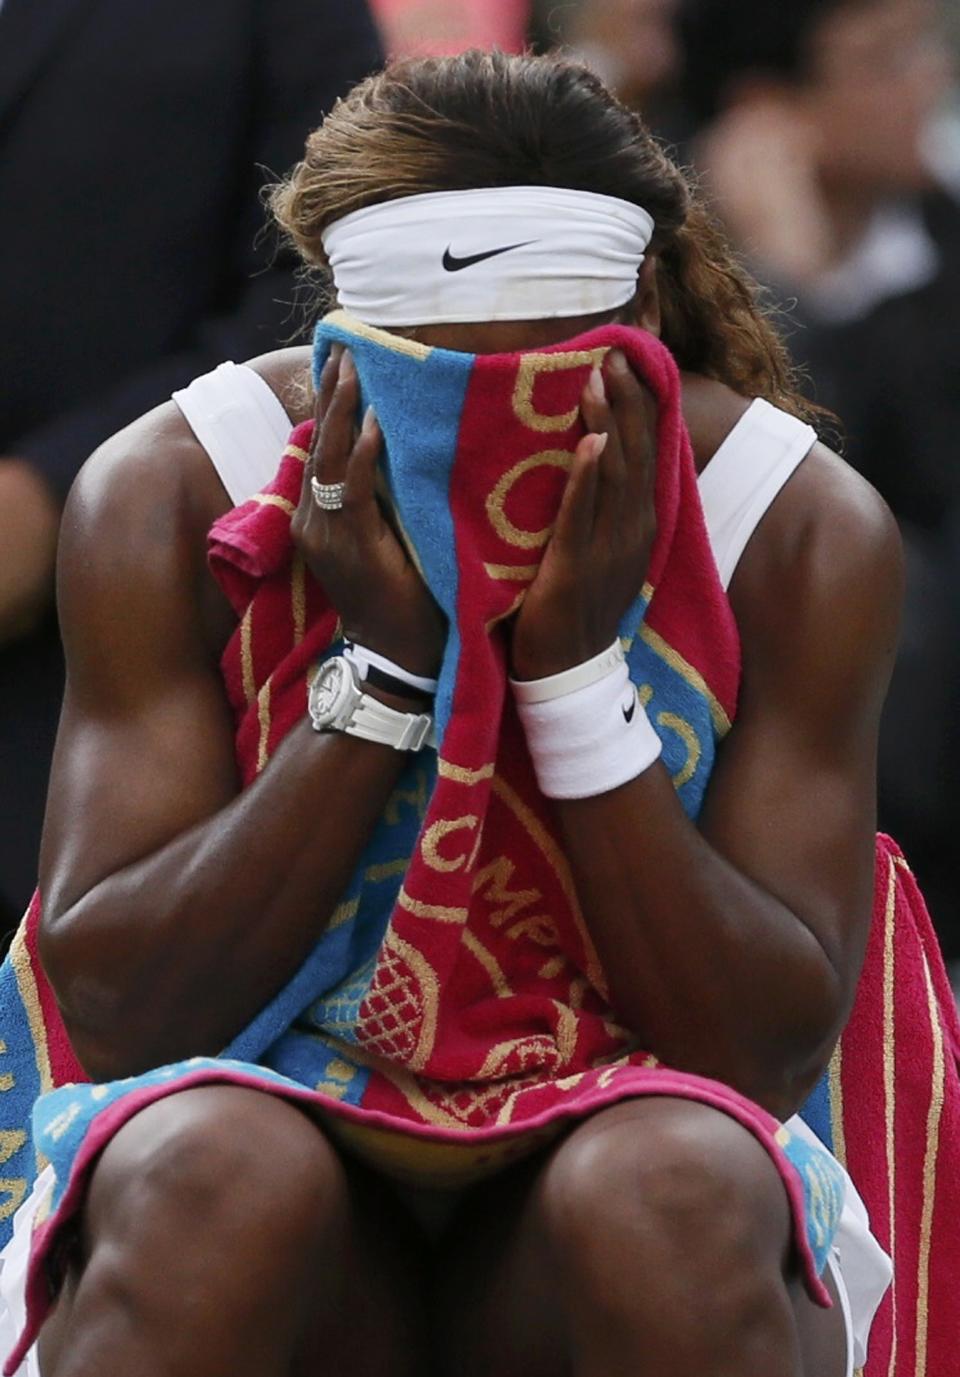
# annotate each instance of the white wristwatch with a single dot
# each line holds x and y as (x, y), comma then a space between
(337, 703)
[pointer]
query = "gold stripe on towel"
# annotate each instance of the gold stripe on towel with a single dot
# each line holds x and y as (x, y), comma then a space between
(835, 1083)
(889, 1067)
(934, 1116)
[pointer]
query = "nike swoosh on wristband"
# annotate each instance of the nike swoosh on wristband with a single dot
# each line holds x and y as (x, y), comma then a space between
(452, 264)
(628, 712)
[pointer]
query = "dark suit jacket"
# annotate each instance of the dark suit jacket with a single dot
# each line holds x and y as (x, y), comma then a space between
(134, 135)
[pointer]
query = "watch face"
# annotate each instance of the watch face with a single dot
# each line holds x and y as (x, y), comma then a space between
(328, 688)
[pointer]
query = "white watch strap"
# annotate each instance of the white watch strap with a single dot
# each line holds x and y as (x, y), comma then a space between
(374, 721)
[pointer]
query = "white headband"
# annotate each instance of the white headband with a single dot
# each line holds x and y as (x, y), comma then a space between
(496, 253)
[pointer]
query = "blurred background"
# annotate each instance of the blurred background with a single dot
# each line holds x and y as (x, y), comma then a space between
(134, 140)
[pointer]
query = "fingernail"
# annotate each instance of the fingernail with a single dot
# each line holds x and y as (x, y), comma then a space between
(369, 419)
(599, 444)
(595, 385)
(348, 369)
(617, 361)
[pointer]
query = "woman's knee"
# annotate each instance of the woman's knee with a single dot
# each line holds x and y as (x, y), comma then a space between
(224, 1160)
(668, 1178)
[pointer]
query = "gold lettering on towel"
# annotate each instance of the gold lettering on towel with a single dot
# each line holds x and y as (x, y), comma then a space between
(489, 963)
(691, 741)
(511, 573)
(561, 869)
(436, 833)
(492, 885)
(497, 499)
(531, 367)
(693, 677)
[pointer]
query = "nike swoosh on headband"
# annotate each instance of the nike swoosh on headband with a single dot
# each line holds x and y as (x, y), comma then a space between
(453, 264)
(628, 712)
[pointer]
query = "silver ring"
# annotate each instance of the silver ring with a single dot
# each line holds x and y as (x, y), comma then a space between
(328, 496)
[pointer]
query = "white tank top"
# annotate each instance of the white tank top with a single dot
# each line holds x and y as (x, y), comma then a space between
(241, 424)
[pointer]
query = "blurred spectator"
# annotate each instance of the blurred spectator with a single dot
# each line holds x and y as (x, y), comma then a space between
(818, 120)
(133, 142)
(632, 45)
(421, 27)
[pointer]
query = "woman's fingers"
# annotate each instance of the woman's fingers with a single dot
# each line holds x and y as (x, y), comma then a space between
(635, 415)
(600, 419)
(573, 531)
(338, 425)
(360, 494)
(328, 381)
(323, 396)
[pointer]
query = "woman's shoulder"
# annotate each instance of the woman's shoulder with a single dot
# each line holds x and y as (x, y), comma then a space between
(154, 472)
(824, 497)
(711, 410)
(141, 508)
(287, 373)
(157, 465)
(827, 541)
(827, 554)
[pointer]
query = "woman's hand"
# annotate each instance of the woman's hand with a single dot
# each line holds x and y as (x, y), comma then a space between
(353, 552)
(597, 557)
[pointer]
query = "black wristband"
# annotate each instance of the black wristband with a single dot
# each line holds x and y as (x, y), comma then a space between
(379, 678)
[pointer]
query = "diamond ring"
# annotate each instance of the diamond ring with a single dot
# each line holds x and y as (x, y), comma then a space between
(328, 496)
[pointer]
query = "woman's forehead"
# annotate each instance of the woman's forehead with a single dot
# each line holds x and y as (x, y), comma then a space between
(504, 336)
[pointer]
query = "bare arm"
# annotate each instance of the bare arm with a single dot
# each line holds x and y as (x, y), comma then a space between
(733, 948)
(175, 907)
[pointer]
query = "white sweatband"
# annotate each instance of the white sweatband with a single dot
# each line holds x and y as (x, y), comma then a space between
(493, 253)
(591, 740)
(362, 659)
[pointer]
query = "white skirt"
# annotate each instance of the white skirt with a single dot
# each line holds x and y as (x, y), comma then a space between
(860, 1268)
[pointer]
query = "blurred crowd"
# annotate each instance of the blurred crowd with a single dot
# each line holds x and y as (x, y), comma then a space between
(134, 142)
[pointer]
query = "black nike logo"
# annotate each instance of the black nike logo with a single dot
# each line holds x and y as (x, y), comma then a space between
(455, 265)
(629, 711)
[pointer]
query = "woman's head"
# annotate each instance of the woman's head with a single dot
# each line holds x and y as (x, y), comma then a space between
(493, 120)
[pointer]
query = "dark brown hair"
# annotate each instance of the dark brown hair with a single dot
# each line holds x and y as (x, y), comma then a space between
(491, 119)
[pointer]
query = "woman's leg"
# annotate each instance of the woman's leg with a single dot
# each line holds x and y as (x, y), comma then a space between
(653, 1241)
(224, 1235)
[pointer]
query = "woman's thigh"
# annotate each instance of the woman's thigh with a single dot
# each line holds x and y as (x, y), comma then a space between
(537, 1256)
(235, 1194)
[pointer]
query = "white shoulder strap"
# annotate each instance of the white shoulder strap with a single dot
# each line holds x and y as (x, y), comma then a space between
(241, 424)
(745, 475)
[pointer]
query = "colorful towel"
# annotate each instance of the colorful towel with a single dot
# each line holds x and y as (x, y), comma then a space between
(454, 1013)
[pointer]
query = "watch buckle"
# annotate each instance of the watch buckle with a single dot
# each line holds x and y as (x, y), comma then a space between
(415, 732)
